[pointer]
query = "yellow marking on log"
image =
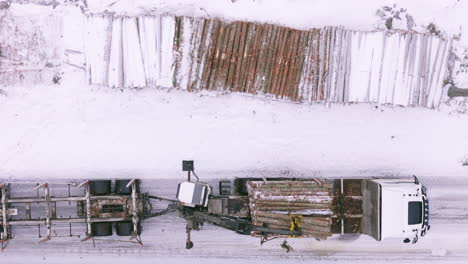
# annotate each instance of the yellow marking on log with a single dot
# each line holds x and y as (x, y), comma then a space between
(294, 223)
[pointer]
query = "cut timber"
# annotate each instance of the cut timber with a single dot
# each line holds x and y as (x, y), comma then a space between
(276, 204)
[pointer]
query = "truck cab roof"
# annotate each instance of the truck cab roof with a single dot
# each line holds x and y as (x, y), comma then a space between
(403, 211)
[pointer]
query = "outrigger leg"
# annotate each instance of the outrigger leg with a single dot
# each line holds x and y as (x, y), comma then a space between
(88, 210)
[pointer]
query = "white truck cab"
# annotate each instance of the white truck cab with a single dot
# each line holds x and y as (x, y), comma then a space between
(193, 194)
(404, 209)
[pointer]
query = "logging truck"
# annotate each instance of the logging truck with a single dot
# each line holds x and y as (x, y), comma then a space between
(268, 208)
(299, 207)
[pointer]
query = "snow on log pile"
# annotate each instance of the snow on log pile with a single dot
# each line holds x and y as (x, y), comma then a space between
(274, 204)
(329, 64)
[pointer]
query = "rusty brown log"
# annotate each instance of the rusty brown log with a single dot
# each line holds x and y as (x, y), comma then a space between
(275, 60)
(271, 57)
(258, 46)
(298, 201)
(228, 59)
(289, 67)
(307, 232)
(310, 188)
(233, 61)
(211, 54)
(287, 183)
(246, 56)
(288, 208)
(266, 58)
(282, 67)
(217, 44)
(260, 61)
(323, 221)
(288, 84)
(299, 63)
(205, 25)
(290, 192)
(219, 50)
(250, 79)
(240, 55)
(194, 39)
(286, 225)
(278, 64)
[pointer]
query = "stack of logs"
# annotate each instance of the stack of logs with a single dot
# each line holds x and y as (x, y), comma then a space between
(275, 203)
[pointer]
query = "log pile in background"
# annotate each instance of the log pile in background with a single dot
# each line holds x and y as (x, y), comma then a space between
(330, 64)
(272, 204)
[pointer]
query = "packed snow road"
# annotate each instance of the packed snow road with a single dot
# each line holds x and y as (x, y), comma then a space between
(164, 237)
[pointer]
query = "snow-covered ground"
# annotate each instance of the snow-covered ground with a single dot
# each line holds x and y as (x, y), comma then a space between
(77, 130)
(72, 130)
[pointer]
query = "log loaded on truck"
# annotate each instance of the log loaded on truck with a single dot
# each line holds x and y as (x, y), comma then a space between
(262, 207)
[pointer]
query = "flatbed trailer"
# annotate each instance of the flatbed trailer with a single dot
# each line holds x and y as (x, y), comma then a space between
(103, 206)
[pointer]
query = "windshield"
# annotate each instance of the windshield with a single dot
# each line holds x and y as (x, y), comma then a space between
(414, 213)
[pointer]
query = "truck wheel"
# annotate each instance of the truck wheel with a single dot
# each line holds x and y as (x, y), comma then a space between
(126, 228)
(101, 187)
(120, 187)
(101, 229)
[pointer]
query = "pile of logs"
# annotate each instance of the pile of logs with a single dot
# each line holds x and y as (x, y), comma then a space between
(276, 204)
(330, 64)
